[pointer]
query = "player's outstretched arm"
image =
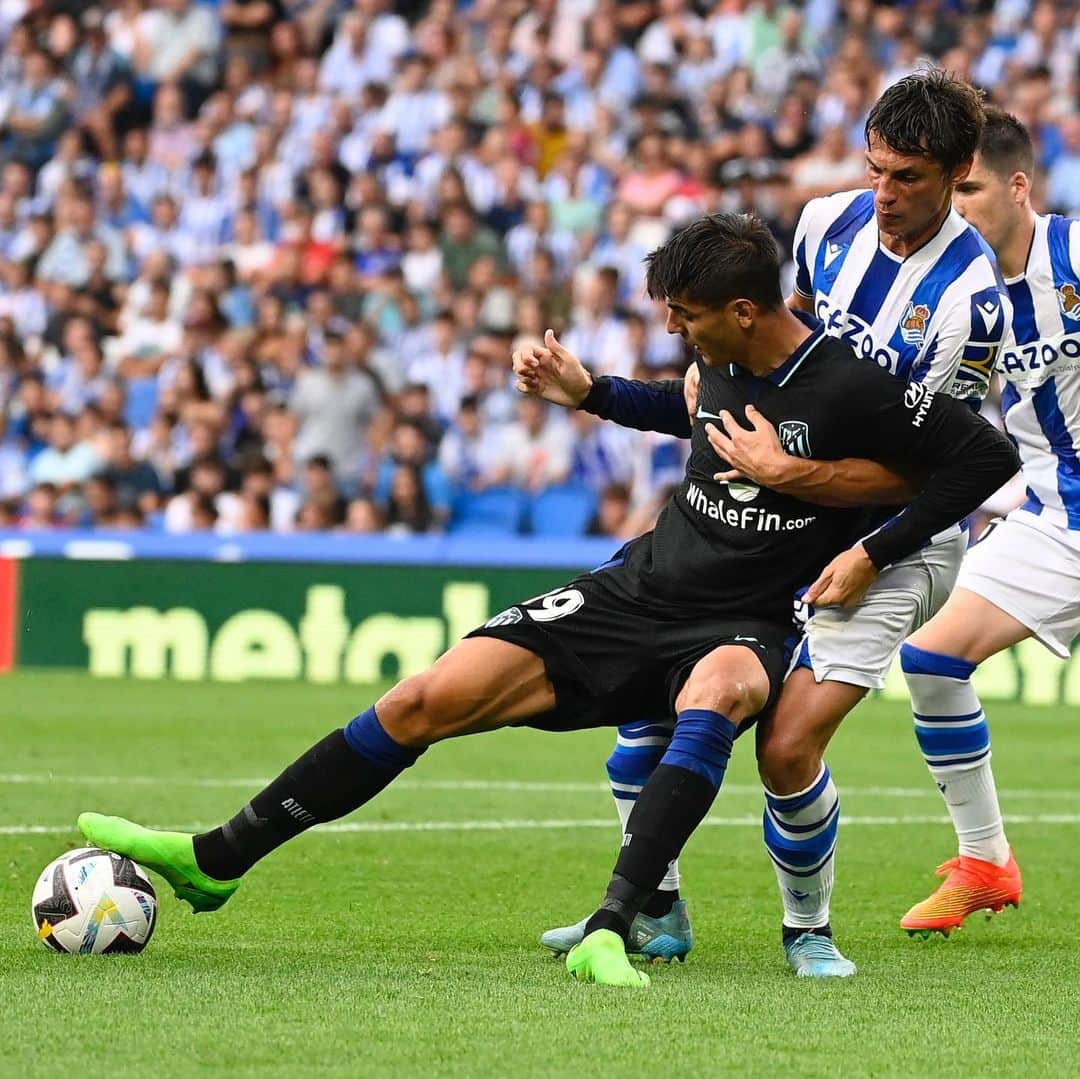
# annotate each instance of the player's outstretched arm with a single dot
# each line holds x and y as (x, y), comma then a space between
(555, 374)
(552, 372)
(756, 454)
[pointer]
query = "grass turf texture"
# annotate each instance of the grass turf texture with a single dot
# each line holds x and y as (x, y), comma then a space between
(414, 952)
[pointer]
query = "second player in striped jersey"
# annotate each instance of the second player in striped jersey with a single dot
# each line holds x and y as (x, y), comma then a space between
(1023, 578)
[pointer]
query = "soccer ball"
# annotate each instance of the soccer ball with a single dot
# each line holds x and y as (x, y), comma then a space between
(93, 901)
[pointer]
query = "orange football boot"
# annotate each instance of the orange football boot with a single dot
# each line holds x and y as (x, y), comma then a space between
(970, 885)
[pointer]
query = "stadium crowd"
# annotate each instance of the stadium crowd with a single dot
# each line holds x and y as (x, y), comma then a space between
(263, 262)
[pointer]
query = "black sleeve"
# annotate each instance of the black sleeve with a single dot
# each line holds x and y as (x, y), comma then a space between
(966, 459)
(657, 405)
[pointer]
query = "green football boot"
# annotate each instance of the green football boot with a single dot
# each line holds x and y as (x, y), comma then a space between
(172, 854)
(601, 959)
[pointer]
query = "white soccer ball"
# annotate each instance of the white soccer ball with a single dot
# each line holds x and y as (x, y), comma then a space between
(93, 902)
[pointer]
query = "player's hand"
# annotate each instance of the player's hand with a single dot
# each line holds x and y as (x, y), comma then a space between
(691, 385)
(844, 581)
(552, 373)
(755, 454)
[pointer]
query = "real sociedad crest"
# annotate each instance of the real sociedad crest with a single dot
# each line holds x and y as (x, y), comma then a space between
(1069, 301)
(795, 438)
(913, 323)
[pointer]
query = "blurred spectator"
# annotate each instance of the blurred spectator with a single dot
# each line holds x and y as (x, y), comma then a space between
(471, 452)
(37, 112)
(176, 43)
(363, 517)
(409, 446)
(465, 241)
(407, 510)
(41, 508)
(66, 461)
(1063, 180)
(537, 446)
(136, 483)
(612, 512)
(334, 404)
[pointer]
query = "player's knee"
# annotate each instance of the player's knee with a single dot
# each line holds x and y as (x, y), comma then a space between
(736, 698)
(419, 710)
(787, 763)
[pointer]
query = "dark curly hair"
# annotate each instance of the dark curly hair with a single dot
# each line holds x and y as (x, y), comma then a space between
(932, 114)
(716, 259)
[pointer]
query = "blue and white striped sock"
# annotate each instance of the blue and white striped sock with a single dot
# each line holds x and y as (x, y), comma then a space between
(638, 749)
(955, 741)
(800, 836)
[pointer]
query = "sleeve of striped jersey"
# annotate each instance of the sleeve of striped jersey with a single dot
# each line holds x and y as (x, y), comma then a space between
(657, 405)
(804, 286)
(960, 357)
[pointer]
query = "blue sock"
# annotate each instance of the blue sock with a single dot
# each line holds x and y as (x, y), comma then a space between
(367, 736)
(702, 744)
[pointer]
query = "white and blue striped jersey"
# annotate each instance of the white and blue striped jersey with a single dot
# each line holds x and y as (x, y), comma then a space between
(937, 317)
(1040, 364)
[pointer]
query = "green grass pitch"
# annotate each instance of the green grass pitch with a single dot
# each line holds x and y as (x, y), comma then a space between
(406, 943)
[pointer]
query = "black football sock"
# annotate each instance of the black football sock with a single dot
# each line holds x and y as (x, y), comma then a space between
(672, 804)
(334, 777)
(789, 933)
(660, 903)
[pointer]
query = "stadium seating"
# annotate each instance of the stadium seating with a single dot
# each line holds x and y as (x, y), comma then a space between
(562, 511)
(496, 511)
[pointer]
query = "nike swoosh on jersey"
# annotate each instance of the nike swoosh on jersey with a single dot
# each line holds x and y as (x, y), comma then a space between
(703, 415)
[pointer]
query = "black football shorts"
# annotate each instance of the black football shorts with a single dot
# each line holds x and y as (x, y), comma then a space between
(614, 660)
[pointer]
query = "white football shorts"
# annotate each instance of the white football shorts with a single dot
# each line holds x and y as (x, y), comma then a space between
(1029, 568)
(857, 645)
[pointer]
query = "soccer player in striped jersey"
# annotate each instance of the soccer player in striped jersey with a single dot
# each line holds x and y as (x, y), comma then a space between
(900, 276)
(1022, 579)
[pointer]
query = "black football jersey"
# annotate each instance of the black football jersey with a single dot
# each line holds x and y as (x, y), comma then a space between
(744, 549)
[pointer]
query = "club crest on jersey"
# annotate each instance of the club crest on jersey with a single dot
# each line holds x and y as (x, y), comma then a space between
(508, 617)
(1069, 301)
(795, 438)
(913, 324)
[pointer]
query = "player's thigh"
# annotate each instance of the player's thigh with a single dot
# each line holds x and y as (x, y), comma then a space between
(792, 738)
(481, 684)
(731, 680)
(969, 627)
(1022, 579)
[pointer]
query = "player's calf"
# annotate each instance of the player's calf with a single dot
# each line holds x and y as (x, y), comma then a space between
(639, 748)
(954, 738)
(479, 685)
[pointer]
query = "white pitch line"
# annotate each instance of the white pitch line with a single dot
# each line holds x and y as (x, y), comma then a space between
(549, 825)
(520, 785)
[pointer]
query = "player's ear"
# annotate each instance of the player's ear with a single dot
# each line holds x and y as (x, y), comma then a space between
(1019, 186)
(745, 311)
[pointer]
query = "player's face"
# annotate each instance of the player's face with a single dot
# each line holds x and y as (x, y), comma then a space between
(985, 201)
(708, 330)
(911, 193)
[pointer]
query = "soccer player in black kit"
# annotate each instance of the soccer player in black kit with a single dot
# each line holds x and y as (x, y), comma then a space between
(692, 618)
